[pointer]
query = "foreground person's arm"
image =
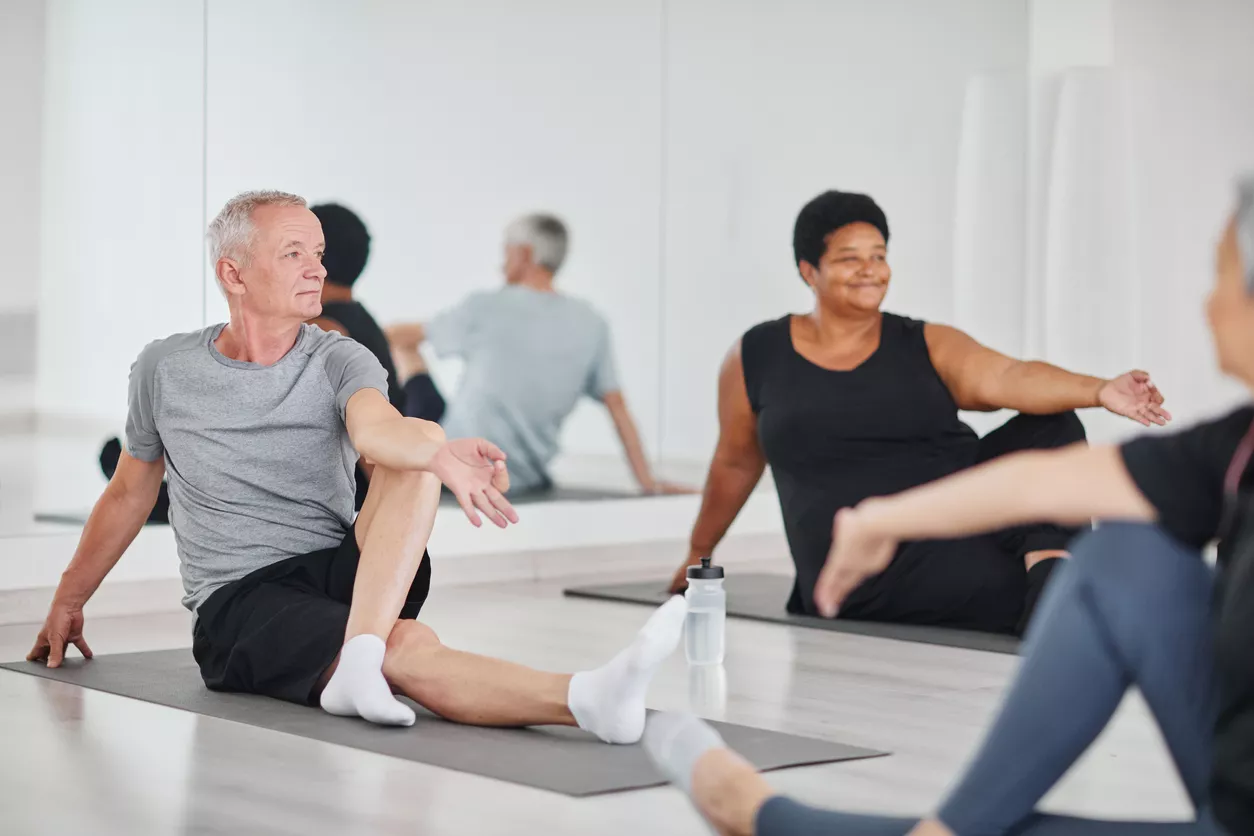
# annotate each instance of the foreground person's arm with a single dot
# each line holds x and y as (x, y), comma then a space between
(115, 521)
(982, 379)
(734, 471)
(473, 469)
(1069, 486)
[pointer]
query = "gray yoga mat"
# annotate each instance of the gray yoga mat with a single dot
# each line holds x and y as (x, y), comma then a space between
(563, 760)
(763, 597)
(561, 493)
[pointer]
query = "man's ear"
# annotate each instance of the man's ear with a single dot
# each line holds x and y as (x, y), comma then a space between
(228, 272)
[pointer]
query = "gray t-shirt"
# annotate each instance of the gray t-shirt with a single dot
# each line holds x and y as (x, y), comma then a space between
(258, 459)
(529, 356)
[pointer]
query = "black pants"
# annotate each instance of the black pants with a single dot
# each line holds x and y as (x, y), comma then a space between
(276, 630)
(976, 583)
(423, 399)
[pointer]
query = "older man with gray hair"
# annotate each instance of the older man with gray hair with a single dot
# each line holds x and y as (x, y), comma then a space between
(531, 353)
(259, 422)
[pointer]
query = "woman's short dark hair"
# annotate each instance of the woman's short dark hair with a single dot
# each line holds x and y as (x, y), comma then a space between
(827, 213)
(348, 243)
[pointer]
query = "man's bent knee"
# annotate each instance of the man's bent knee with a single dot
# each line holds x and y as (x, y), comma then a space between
(409, 637)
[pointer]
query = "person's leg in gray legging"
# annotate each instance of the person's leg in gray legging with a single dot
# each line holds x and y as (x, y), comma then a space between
(1131, 608)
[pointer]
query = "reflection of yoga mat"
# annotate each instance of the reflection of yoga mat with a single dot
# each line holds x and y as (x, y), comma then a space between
(560, 493)
(559, 759)
(762, 598)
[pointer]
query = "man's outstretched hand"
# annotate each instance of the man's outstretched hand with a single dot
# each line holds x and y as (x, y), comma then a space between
(62, 628)
(473, 469)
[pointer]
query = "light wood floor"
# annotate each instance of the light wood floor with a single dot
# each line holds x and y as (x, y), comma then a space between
(75, 761)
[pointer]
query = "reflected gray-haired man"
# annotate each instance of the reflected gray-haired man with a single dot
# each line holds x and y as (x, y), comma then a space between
(531, 353)
(259, 422)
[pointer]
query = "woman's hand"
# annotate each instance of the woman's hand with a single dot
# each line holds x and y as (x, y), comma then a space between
(679, 582)
(474, 470)
(1134, 395)
(857, 554)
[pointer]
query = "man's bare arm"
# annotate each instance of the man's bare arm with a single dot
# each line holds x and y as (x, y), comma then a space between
(115, 521)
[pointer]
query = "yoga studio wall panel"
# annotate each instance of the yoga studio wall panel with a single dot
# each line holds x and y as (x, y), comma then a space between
(121, 215)
(439, 123)
(769, 104)
(21, 101)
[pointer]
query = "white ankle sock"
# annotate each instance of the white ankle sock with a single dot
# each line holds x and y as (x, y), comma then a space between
(358, 689)
(609, 701)
(675, 742)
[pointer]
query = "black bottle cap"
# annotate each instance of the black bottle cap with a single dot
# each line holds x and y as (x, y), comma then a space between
(705, 572)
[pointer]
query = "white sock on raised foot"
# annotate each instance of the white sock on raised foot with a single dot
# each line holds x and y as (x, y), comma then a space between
(358, 688)
(609, 701)
(675, 742)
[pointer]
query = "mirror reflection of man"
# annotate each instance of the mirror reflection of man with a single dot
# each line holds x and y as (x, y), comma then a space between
(530, 353)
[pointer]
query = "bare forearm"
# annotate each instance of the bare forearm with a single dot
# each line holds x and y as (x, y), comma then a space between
(112, 527)
(726, 490)
(400, 443)
(1069, 486)
(633, 449)
(1038, 388)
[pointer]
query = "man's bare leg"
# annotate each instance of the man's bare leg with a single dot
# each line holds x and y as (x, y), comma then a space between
(467, 688)
(608, 701)
(392, 530)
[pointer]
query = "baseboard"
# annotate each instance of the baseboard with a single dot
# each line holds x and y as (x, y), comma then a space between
(119, 596)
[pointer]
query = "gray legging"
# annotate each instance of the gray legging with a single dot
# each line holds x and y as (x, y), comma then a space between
(1132, 607)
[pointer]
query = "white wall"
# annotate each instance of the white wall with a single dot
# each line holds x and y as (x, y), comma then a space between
(121, 217)
(1140, 123)
(21, 93)
(438, 123)
(769, 104)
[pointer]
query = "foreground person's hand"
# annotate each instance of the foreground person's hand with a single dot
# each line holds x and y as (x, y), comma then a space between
(857, 554)
(474, 471)
(62, 627)
(1134, 395)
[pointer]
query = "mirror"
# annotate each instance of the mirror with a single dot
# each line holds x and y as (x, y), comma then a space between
(676, 139)
(106, 161)
(439, 124)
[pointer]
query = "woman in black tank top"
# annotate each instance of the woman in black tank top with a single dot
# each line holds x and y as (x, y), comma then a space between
(848, 402)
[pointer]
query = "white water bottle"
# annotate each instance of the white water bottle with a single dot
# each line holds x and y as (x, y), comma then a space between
(707, 614)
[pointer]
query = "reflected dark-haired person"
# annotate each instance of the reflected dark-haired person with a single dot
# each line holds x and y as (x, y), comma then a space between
(348, 251)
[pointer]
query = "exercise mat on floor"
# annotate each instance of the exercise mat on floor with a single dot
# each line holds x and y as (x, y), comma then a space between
(560, 493)
(762, 597)
(563, 760)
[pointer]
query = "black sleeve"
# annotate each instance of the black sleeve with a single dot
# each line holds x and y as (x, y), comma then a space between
(1182, 474)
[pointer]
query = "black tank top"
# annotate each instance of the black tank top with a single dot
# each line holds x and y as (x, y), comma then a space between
(834, 438)
(362, 328)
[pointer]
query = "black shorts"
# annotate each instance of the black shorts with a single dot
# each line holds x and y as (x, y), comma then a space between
(275, 631)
